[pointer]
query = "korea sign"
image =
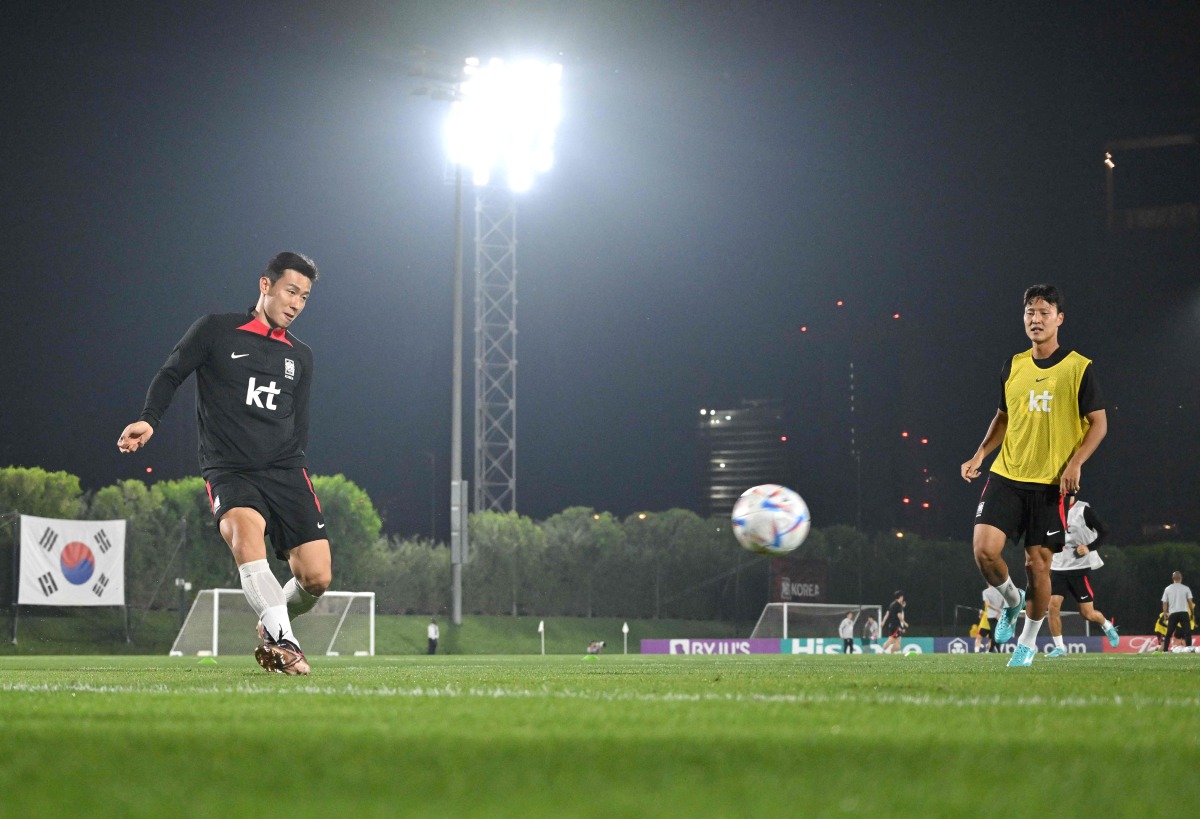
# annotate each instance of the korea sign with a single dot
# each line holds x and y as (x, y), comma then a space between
(72, 562)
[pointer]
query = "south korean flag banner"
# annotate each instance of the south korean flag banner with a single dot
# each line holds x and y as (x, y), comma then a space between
(72, 562)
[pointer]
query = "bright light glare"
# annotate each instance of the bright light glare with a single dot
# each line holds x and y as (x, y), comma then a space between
(504, 120)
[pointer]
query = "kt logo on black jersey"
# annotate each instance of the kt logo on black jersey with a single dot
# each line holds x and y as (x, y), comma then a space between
(254, 395)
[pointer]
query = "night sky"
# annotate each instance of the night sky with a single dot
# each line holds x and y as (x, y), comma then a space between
(726, 172)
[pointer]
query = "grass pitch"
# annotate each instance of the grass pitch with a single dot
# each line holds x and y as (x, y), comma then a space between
(945, 735)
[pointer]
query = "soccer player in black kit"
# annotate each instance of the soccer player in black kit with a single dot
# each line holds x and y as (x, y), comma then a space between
(253, 380)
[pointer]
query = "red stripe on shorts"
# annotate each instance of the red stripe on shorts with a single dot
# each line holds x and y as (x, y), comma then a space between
(310, 489)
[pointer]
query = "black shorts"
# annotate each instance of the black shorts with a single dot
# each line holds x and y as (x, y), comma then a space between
(1074, 583)
(1032, 510)
(284, 497)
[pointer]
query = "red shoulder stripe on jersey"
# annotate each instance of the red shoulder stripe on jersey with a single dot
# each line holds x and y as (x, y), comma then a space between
(259, 329)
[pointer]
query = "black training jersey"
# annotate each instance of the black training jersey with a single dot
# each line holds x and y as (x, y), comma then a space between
(891, 620)
(252, 388)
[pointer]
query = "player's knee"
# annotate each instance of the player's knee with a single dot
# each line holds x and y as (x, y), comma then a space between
(243, 530)
(315, 583)
(984, 555)
(986, 547)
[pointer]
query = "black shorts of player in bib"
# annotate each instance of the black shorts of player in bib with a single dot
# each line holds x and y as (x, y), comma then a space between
(1074, 583)
(284, 497)
(1033, 510)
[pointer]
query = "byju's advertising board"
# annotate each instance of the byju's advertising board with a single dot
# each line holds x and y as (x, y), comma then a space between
(801, 646)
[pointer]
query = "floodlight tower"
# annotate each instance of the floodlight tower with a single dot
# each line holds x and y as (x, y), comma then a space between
(502, 123)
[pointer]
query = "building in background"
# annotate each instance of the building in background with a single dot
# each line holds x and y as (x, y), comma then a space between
(740, 448)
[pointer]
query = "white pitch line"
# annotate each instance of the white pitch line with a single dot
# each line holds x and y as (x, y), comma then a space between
(456, 692)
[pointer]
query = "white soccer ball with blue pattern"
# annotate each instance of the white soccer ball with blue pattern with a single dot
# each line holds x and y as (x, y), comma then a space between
(771, 520)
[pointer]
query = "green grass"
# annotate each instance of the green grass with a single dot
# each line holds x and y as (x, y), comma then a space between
(637, 736)
(103, 632)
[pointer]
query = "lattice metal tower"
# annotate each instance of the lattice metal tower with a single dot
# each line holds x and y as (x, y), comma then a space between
(495, 350)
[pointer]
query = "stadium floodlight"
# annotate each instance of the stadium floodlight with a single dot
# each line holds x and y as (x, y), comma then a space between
(503, 120)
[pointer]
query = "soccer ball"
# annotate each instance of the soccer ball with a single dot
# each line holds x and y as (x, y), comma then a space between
(770, 520)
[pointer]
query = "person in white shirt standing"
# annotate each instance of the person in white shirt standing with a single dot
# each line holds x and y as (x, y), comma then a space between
(870, 635)
(1177, 604)
(846, 632)
(433, 633)
(1069, 570)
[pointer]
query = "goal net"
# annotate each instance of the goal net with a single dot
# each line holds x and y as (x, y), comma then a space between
(1073, 625)
(222, 622)
(786, 620)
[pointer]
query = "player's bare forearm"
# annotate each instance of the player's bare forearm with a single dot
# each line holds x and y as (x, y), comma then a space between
(1070, 481)
(1091, 438)
(995, 434)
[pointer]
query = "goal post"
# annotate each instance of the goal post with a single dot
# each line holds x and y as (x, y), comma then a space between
(222, 622)
(786, 620)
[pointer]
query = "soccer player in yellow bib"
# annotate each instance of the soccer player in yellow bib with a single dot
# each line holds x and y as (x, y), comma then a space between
(1049, 420)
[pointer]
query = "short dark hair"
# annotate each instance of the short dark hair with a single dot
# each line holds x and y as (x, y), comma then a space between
(287, 260)
(1047, 292)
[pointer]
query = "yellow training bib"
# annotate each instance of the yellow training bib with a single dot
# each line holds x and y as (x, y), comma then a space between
(1044, 425)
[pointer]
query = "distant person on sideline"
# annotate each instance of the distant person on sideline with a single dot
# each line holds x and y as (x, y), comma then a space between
(1049, 420)
(253, 381)
(993, 604)
(981, 632)
(870, 634)
(894, 624)
(1177, 604)
(433, 633)
(846, 632)
(1070, 570)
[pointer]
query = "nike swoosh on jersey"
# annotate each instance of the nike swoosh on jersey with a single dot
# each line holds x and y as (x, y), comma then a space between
(238, 355)
(1040, 380)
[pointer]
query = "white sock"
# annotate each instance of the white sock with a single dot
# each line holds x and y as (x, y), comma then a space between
(1030, 632)
(1107, 625)
(265, 596)
(298, 599)
(1009, 591)
(1058, 642)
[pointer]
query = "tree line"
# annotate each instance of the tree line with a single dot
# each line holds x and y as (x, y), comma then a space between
(579, 562)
